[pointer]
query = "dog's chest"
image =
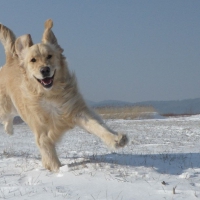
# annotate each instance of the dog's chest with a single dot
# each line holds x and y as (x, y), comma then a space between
(51, 108)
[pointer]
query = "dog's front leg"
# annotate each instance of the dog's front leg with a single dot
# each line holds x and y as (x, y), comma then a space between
(48, 152)
(93, 124)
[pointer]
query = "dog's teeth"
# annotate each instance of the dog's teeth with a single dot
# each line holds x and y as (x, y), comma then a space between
(46, 83)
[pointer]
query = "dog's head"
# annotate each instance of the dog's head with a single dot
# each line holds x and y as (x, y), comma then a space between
(41, 61)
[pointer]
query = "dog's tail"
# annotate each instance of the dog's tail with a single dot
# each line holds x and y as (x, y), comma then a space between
(7, 37)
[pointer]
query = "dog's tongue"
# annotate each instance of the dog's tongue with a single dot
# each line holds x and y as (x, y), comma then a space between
(46, 81)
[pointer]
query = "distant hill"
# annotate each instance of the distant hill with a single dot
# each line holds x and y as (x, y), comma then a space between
(187, 106)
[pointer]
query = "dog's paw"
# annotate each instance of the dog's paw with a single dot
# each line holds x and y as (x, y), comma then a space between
(121, 141)
(10, 132)
(53, 166)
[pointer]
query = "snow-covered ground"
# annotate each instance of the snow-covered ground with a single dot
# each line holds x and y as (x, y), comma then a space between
(162, 158)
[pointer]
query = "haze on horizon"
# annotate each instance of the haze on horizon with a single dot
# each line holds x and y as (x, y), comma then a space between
(127, 50)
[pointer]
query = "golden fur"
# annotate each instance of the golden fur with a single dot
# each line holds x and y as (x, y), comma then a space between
(50, 104)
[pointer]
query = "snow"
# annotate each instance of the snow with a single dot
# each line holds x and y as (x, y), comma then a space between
(163, 156)
(150, 115)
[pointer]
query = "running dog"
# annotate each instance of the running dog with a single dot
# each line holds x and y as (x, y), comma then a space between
(36, 84)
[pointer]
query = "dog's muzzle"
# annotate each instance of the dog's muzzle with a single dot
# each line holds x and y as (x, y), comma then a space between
(46, 82)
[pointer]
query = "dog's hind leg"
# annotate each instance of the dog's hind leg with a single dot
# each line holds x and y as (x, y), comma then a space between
(48, 152)
(93, 124)
(8, 126)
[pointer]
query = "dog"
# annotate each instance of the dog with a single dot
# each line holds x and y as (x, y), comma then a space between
(36, 84)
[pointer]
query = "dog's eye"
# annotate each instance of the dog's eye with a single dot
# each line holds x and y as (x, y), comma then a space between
(33, 60)
(49, 56)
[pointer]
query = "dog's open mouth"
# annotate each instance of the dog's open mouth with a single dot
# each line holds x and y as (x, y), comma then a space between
(46, 82)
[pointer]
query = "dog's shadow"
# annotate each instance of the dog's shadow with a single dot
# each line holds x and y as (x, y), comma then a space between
(173, 164)
(168, 163)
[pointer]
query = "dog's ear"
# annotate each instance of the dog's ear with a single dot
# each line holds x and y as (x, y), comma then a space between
(22, 43)
(48, 35)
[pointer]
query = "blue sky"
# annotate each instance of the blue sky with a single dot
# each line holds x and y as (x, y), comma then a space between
(120, 50)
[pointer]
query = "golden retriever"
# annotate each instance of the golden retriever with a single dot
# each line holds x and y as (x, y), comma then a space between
(36, 84)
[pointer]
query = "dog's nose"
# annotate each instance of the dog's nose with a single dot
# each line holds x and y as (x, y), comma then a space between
(45, 71)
